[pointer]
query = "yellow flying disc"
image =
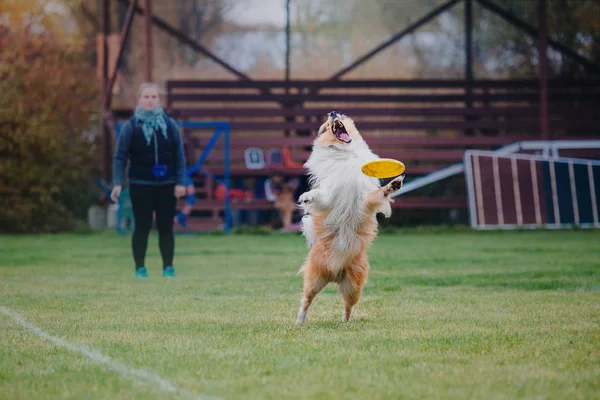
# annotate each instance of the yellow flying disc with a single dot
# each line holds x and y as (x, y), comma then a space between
(383, 168)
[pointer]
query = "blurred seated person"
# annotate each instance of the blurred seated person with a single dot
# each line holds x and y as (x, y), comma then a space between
(281, 193)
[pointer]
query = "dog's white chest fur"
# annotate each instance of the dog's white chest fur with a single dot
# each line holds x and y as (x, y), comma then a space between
(336, 174)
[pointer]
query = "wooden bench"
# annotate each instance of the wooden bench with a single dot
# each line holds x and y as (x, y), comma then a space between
(421, 155)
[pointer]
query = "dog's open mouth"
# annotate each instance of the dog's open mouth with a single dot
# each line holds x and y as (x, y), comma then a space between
(339, 131)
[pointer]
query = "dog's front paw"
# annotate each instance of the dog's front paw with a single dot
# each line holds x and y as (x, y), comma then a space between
(308, 197)
(395, 185)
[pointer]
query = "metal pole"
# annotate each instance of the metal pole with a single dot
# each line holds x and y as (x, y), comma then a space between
(105, 110)
(148, 18)
(469, 40)
(543, 68)
(124, 37)
(286, 104)
(469, 58)
(287, 43)
(226, 178)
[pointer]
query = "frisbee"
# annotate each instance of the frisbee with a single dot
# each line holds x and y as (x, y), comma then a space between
(383, 168)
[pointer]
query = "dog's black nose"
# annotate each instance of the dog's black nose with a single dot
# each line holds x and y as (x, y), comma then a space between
(332, 114)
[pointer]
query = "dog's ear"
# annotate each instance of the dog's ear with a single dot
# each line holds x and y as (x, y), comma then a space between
(322, 129)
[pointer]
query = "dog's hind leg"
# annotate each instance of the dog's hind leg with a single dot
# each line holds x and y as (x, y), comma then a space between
(313, 284)
(351, 285)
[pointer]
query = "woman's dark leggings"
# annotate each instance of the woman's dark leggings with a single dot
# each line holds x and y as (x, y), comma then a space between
(145, 200)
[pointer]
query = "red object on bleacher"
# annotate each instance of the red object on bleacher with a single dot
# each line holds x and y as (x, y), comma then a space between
(286, 154)
(234, 194)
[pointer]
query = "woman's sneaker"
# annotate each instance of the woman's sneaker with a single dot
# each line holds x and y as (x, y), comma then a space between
(141, 272)
(169, 272)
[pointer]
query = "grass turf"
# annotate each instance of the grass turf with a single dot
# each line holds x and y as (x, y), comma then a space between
(451, 315)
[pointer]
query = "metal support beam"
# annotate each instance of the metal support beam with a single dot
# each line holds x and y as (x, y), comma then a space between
(287, 42)
(423, 20)
(183, 38)
(106, 137)
(469, 48)
(148, 31)
(543, 67)
(287, 132)
(124, 36)
(105, 34)
(469, 58)
(534, 33)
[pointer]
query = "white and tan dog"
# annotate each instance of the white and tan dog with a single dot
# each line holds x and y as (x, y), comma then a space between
(340, 221)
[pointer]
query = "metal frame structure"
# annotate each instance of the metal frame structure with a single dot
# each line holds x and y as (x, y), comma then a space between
(541, 35)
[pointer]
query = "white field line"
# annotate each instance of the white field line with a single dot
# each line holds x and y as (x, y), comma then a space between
(139, 376)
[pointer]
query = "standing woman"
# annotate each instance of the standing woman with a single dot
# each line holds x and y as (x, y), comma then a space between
(151, 141)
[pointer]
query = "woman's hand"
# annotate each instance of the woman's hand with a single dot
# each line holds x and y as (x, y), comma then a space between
(179, 191)
(116, 192)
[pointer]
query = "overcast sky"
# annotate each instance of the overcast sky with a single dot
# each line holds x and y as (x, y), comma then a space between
(259, 12)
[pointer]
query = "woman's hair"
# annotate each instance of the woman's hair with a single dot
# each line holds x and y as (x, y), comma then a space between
(147, 85)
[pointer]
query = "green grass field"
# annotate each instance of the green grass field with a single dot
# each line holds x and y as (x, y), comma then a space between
(448, 315)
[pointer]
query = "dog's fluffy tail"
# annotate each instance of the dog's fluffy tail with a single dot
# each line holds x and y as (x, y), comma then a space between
(308, 230)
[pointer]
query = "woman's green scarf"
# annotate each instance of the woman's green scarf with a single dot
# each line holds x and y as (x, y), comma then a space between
(152, 120)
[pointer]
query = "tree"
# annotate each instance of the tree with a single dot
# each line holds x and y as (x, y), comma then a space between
(573, 23)
(200, 20)
(501, 48)
(48, 95)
